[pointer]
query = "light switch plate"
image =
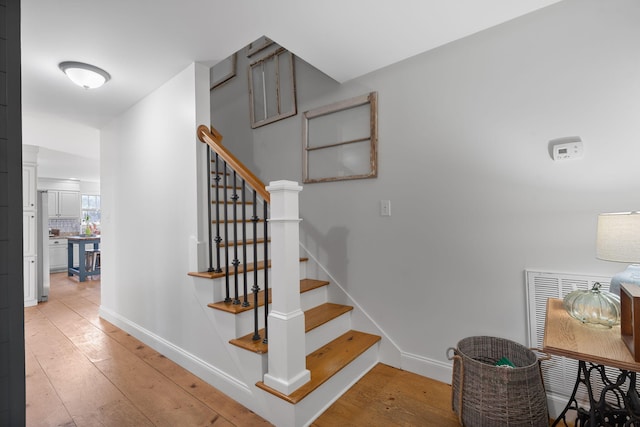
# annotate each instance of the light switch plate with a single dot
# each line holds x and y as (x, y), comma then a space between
(385, 207)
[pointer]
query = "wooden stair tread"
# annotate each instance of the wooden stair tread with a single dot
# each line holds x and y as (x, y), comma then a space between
(319, 315)
(230, 307)
(306, 285)
(327, 361)
(250, 267)
(246, 342)
(241, 243)
(313, 318)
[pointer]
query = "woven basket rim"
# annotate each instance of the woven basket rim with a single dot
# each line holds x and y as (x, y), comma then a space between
(469, 359)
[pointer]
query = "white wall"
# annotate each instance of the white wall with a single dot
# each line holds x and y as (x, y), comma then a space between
(150, 162)
(92, 188)
(67, 150)
(53, 133)
(463, 157)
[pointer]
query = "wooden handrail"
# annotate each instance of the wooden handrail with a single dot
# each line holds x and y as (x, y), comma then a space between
(212, 139)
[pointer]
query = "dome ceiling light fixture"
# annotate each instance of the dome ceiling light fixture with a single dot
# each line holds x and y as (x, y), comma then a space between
(84, 75)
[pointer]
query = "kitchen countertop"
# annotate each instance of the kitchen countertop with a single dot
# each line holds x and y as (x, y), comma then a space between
(83, 237)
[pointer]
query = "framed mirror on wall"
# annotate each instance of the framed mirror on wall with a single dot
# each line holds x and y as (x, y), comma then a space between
(272, 88)
(340, 140)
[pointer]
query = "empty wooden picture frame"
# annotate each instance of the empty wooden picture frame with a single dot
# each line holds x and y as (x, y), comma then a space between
(340, 141)
(223, 71)
(272, 88)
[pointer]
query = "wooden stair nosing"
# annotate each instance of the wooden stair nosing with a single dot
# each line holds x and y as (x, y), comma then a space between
(306, 285)
(313, 318)
(327, 361)
(250, 267)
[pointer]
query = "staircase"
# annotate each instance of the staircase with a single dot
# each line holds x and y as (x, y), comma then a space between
(335, 355)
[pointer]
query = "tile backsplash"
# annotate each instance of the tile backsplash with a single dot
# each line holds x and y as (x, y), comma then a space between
(66, 226)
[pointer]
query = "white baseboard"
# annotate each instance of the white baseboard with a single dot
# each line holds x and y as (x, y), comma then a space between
(557, 403)
(229, 385)
(426, 367)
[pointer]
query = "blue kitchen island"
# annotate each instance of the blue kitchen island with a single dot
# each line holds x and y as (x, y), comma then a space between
(81, 270)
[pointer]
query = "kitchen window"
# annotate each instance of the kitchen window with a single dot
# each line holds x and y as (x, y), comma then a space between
(91, 207)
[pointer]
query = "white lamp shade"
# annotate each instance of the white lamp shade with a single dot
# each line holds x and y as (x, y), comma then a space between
(618, 237)
(84, 75)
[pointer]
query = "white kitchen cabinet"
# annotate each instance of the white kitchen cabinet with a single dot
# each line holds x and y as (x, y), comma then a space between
(29, 183)
(30, 283)
(58, 255)
(64, 204)
(29, 240)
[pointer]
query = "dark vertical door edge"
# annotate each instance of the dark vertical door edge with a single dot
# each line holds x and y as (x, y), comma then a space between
(12, 353)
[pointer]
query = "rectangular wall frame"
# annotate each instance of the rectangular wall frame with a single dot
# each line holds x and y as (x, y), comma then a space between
(340, 140)
(272, 88)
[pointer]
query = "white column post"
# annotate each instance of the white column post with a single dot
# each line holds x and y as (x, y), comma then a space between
(287, 361)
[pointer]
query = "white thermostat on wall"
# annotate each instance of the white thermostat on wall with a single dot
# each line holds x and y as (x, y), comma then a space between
(567, 148)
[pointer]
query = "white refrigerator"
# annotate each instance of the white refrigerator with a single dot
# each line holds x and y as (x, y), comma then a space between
(42, 232)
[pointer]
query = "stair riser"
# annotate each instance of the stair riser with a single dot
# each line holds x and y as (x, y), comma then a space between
(313, 298)
(240, 254)
(219, 283)
(238, 208)
(317, 337)
(242, 323)
(229, 231)
(248, 194)
(219, 287)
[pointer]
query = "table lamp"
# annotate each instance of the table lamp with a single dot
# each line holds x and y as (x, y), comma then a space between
(618, 239)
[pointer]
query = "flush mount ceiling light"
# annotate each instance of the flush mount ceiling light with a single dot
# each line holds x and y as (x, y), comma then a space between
(84, 75)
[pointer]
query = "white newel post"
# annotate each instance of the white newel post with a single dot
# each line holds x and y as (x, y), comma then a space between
(287, 364)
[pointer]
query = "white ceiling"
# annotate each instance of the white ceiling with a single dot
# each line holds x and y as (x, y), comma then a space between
(143, 43)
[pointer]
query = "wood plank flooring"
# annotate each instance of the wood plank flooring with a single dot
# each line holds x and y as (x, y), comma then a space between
(83, 371)
(388, 396)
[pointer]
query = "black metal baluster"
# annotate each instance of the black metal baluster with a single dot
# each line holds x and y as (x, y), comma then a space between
(266, 274)
(218, 239)
(226, 235)
(256, 288)
(236, 261)
(210, 230)
(245, 303)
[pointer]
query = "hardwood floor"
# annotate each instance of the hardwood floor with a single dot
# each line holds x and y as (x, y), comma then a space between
(83, 371)
(388, 396)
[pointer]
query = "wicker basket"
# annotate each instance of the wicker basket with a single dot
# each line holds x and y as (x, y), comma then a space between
(486, 395)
